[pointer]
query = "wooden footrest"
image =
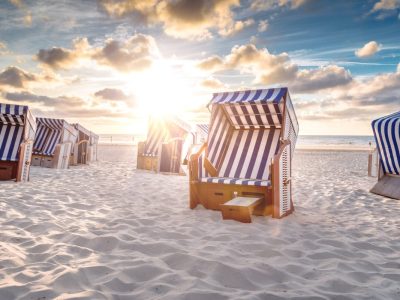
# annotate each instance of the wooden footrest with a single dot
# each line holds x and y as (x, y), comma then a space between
(240, 208)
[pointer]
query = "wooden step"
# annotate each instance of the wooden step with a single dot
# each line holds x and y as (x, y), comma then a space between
(240, 208)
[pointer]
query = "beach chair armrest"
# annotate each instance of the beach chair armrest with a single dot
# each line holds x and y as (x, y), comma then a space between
(195, 156)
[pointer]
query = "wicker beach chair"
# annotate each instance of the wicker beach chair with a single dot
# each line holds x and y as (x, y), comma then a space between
(387, 135)
(54, 141)
(17, 132)
(244, 168)
(94, 141)
(80, 151)
(162, 151)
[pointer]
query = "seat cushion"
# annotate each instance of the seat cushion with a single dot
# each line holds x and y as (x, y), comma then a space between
(238, 181)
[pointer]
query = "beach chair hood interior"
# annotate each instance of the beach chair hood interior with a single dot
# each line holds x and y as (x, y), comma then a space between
(54, 141)
(387, 136)
(163, 148)
(247, 132)
(17, 132)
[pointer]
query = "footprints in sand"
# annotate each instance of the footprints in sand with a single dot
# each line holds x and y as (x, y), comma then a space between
(109, 231)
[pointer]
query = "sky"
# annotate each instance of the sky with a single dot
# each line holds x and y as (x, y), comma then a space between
(108, 64)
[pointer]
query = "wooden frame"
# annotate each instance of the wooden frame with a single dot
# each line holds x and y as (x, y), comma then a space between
(212, 195)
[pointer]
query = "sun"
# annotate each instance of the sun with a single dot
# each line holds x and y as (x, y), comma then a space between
(161, 91)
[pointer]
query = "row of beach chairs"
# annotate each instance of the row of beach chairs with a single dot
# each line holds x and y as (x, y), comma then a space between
(52, 143)
(240, 162)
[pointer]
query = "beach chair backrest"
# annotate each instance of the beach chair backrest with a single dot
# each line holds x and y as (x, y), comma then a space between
(245, 131)
(163, 130)
(12, 122)
(387, 135)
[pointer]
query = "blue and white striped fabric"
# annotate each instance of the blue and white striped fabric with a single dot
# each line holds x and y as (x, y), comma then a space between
(236, 181)
(48, 135)
(387, 136)
(251, 96)
(253, 109)
(162, 130)
(244, 135)
(12, 121)
(201, 132)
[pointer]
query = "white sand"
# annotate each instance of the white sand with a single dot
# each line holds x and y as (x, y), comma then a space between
(108, 231)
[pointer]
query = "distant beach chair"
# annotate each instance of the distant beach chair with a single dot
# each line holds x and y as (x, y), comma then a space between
(17, 133)
(80, 151)
(94, 142)
(162, 151)
(54, 141)
(245, 166)
(201, 133)
(387, 135)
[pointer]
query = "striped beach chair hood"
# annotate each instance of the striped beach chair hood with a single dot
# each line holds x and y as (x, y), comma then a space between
(12, 122)
(245, 132)
(162, 130)
(50, 132)
(387, 135)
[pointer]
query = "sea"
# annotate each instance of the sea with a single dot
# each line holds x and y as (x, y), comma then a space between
(303, 142)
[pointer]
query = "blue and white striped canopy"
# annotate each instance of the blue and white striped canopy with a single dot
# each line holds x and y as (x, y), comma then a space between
(387, 136)
(48, 135)
(12, 120)
(252, 108)
(274, 95)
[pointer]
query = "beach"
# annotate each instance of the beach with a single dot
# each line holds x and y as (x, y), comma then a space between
(109, 231)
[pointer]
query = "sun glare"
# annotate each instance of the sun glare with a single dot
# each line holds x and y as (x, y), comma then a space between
(161, 91)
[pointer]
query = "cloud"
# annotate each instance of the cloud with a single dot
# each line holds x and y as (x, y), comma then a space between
(235, 28)
(212, 83)
(368, 49)
(66, 106)
(16, 77)
(27, 19)
(267, 68)
(261, 5)
(16, 3)
(3, 48)
(321, 78)
(270, 69)
(386, 5)
(133, 54)
(212, 63)
(111, 94)
(179, 18)
(263, 25)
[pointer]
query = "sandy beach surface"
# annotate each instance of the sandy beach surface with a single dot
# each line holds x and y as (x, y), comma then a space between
(109, 231)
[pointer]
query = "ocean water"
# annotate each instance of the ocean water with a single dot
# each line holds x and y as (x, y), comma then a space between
(304, 141)
(336, 141)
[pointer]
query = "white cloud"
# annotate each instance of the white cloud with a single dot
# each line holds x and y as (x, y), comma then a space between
(180, 18)
(368, 49)
(235, 27)
(386, 5)
(263, 25)
(269, 69)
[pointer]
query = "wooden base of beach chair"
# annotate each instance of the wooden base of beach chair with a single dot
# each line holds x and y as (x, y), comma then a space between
(36, 160)
(213, 195)
(8, 170)
(149, 163)
(388, 186)
(240, 208)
